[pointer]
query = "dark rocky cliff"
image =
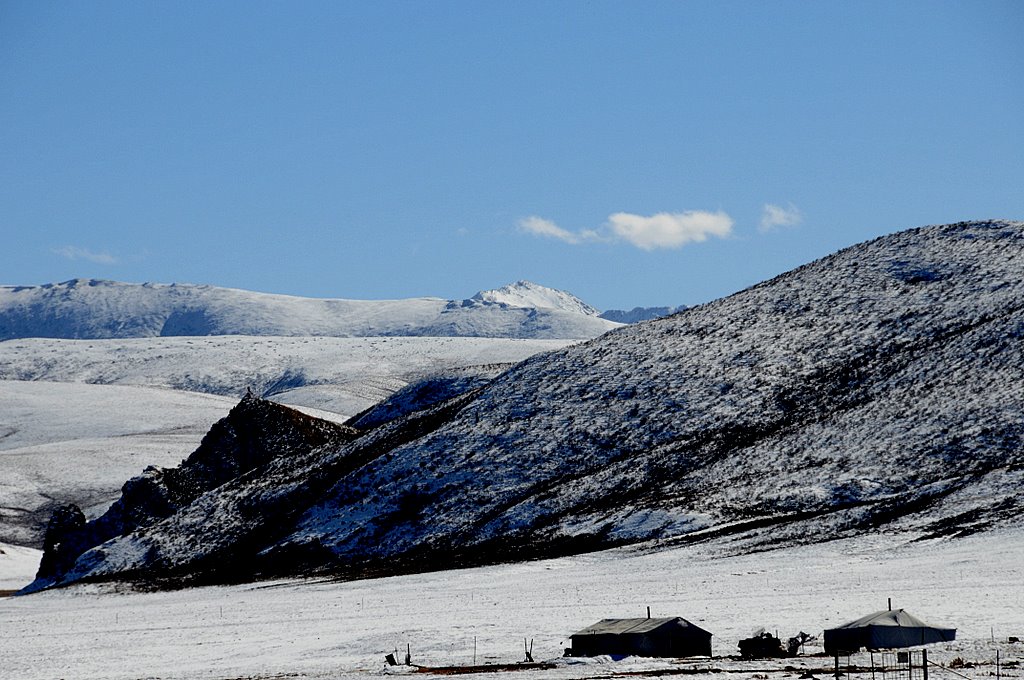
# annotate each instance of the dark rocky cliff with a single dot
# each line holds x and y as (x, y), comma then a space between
(255, 432)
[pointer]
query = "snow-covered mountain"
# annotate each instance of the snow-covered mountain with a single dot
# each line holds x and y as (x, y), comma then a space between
(877, 387)
(532, 295)
(107, 309)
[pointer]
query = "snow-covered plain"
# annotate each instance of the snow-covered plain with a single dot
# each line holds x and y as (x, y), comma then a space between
(18, 565)
(340, 375)
(323, 629)
(37, 413)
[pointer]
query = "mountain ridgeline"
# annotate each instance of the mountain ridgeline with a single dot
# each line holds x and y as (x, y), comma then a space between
(92, 309)
(877, 388)
(638, 314)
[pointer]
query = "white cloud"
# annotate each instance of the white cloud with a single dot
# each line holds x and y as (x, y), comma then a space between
(538, 226)
(664, 230)
(774, 217)
(76, 253)
(669, 230)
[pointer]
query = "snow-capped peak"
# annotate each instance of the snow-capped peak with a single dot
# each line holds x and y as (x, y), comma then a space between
(529, 294)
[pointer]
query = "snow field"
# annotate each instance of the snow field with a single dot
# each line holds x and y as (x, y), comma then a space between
(340, 375)
(18, 566)
(321, 629)
(33, 413)
(76, 443)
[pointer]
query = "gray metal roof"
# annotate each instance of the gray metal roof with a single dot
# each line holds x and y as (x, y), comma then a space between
(645, 625)
(895, 617)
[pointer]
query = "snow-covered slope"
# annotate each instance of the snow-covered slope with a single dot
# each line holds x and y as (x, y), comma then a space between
(341, 375)
(107, 309)
(875, 387)
(528, 294)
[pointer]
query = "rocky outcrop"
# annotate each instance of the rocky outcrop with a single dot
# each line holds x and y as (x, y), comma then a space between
(63, 542)
(255, 432)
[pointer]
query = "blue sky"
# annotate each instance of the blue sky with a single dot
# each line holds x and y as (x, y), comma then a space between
(634, 153)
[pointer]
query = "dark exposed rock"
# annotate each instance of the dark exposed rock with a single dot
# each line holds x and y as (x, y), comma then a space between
(60, 547)
(255, 432)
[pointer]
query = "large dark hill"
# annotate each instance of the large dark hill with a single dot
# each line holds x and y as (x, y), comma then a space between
(877, 387)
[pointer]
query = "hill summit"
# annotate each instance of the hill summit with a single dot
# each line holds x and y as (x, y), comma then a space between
(877, 389)
(528, 294)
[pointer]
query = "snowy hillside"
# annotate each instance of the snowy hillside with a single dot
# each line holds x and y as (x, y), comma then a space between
(107, 309)
(878, 387)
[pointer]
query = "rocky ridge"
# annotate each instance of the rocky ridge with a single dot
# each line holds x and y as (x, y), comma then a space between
(251, 435)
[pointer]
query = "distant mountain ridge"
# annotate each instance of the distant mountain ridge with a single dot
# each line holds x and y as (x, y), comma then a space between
(94, 309)
(638, 314)
(877, 388)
